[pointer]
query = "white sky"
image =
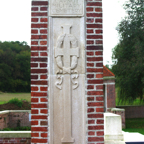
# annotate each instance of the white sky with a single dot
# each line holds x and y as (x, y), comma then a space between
(16, 22)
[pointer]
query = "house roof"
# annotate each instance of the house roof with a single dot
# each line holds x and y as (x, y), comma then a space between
(107, 72)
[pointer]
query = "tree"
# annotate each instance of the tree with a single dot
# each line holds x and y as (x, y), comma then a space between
(129, 53)
(14, 67)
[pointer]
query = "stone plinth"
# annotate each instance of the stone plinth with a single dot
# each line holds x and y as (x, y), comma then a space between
(120, 112)
(113, 129)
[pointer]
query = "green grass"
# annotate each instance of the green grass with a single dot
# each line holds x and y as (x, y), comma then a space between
(135, 125)
(5, 97)
(2, 102)
(138, 130)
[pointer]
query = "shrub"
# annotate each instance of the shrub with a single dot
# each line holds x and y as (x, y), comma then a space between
(16, 101)
(26, 128)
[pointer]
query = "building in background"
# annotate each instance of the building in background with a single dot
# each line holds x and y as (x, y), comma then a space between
(109, 89)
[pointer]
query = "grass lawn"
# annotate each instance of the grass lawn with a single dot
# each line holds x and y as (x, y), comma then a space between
(135, 125)
(2, 102)
(5, 97)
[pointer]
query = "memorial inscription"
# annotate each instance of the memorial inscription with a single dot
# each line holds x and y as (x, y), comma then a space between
(66, 7)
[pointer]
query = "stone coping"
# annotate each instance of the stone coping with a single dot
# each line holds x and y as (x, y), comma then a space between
(14, 111)
(15, 134)
(107, 114)
(117, 109)
(130, 106)
(109, 78)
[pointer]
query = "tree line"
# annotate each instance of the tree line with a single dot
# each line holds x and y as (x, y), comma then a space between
(128, 55)
(14, 67)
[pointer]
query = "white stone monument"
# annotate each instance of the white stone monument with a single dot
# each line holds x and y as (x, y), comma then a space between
(113, 129)
(67, 71)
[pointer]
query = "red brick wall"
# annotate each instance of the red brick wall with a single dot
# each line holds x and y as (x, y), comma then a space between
(94, 64)
(4, 120)
(12, 119)
(111, 96)
(133, 111)
(20, 117)
(15, 140)
(39, 79)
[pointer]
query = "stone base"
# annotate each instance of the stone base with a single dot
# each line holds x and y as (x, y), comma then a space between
(118, 137)
(113, 142)
(120, 112)
(133, 138)
(113, 129)
(114, 139)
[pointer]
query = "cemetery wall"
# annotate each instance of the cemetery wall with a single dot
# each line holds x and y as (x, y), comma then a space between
(17, 119)
(110, 96)
(4, 120)
(94, 72)
(13, 119)
(15, 140)
(133, 111)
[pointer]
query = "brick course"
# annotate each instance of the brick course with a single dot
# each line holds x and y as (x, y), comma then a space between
(94, 55)
(15, 141)
(39, 79)
(133, 111)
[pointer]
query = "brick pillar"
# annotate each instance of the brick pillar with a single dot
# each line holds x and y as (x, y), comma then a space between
(94, 75)
(94, 64)
(39, 79)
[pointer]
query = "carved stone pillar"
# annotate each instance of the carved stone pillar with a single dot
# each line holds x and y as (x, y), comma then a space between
(67, 72)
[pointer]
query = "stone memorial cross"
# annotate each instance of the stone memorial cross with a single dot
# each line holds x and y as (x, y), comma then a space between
(67, 52)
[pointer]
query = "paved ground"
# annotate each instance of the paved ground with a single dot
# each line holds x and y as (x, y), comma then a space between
(133, 138)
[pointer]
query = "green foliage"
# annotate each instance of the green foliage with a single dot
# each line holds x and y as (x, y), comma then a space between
(26, 128)
(136, 102)
(5, 129)
(129, 53)
(16, 101)
(14, 67)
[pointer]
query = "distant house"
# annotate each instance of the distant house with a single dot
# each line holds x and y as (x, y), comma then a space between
(109, 88)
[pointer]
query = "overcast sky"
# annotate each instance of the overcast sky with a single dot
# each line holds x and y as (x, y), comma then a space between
(16, 22)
